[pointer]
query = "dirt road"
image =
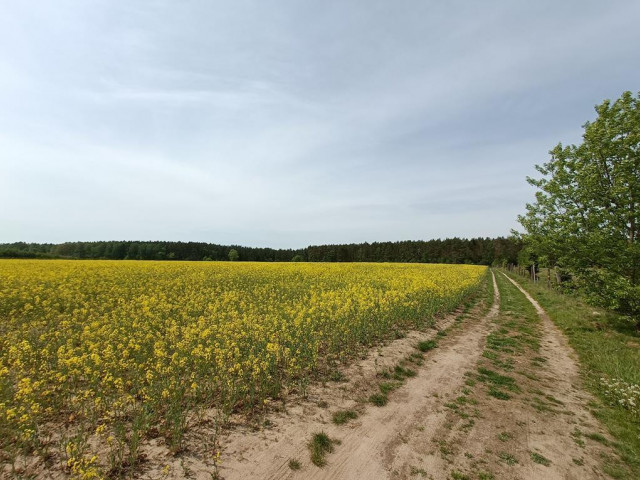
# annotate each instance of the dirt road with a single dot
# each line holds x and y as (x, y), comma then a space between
(499, 397)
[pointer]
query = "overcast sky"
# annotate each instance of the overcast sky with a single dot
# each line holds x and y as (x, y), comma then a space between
(289, 123)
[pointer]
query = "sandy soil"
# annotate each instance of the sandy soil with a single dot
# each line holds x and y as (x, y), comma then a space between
(544, 431)
(449, 421)
(368, 442)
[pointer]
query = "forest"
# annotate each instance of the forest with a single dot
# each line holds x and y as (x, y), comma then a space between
(479, 251)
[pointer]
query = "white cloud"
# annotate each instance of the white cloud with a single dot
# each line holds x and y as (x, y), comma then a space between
(293, 123)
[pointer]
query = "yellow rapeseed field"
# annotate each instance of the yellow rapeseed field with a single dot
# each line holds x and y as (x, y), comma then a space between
(110, 350)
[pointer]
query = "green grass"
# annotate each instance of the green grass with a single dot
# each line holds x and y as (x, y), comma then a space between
(379, 399)
(343, 416)
(507, 458)
(607, 345)
(485, 476)
(294, 464)
(427, 345)
(337, 376)
(497, 380)
(499, 394)
(319, 446)
(400, 373)
(455, 475)
(597, 437)
(387, 387)
(542, 460)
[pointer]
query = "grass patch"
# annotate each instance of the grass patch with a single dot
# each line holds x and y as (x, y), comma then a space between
(387, 387)
(540, 459)
(337, 376)
(496, 379)
(597, 437)
(418, 471)
(294, 464)
(485, 476)
(319, 446)
(379, 399)
(400, 373)
(499, 394)
(455, 475)
(343, 416)
(507, 458)
(427, 345)
(490, 355)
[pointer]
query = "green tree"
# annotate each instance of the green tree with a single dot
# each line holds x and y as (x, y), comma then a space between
(233, 255)
(587, 213)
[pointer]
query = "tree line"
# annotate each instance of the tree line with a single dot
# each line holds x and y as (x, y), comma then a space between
(481, 251)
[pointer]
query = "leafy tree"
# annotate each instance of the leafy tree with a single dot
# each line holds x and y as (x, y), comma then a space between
(233, 255)
(586, 215)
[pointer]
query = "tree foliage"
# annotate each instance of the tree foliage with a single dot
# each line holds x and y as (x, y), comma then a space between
(484, 251)
(587, 211)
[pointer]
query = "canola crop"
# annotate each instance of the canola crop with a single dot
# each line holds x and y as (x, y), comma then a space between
(116, 349)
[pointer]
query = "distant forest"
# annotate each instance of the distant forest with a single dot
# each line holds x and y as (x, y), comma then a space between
(483, 251)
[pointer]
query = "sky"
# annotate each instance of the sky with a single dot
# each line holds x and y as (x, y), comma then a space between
(294, 123)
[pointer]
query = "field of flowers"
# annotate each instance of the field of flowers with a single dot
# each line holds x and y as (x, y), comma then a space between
(95, 356)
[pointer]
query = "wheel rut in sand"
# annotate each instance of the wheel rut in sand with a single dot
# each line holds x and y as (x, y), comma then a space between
(368, 445)
(499, 398)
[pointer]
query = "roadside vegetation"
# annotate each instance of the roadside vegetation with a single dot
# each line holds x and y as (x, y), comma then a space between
(608, 346)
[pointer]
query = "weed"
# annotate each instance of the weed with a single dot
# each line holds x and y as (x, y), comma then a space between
(504, 436)
(427, 345)
(468, 425)
(294, 464)
(507, 458)
(495, 378)
(499, 394)
(552, 399)
(455, 475)
(485, 476)
(378, 399)
(445, 450)
(542, 460)
(337, 376)
(343, 416)
(387, 387)
(490, 355)
(319, 446)
(418, 471)
(597, 437)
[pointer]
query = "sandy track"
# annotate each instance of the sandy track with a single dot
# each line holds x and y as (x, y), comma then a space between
(487, 437)
(561, 377)
(441, 422)
(367, 446)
